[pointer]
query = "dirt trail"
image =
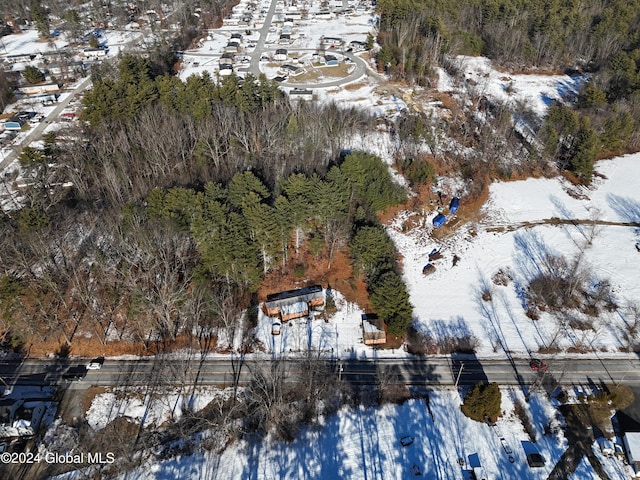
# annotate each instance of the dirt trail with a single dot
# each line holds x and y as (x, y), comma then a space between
(560, 221)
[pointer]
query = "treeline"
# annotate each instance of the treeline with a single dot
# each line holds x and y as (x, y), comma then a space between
(151, 130)
(517, 34)
(162, 215)
(416, 36)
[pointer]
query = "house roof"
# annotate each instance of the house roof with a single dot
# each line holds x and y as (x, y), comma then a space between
(317, 289)
(633, 444)
(294, 308)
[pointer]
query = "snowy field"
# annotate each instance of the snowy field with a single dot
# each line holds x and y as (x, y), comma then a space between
(362, 442)
(535, 91)
(515, 234)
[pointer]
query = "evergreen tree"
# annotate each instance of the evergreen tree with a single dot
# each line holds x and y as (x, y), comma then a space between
(389, 298)
(585, 151)
(40, 18)
(372, 181)
(297, 190)
(33, 75)
(371, 248)
(483, 402)
(243, 186)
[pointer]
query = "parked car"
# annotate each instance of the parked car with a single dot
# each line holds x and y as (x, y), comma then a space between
(406, 440)
(538, 365)
(275, 328)
(535, 460)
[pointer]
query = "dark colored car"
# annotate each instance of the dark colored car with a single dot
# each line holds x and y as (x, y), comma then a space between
(406, 441)
(75, 373)
(538, 365)
(535, 460)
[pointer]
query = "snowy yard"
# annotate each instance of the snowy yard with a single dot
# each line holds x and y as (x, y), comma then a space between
(518, 230)
(361, 442)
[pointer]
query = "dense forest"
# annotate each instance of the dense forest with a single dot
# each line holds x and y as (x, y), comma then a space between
(164, 211)
(600, 38)
(163, 214)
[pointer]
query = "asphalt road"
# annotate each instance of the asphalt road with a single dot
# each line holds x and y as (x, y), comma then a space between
(35, 133)
(464, 370)
(360, 67)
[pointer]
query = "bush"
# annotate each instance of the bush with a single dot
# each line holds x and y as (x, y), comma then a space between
(299, 271)
(33, 75)
(419, 343)
(482, 403)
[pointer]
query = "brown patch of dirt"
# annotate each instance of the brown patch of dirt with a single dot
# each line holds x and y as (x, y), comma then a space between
(89, 347)
(312, 270)
(354, 86)
(393, 343)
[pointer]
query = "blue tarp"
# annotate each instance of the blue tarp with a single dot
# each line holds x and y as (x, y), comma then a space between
(439, 220)
(453, 207)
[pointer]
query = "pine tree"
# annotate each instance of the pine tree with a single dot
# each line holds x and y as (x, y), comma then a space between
(297, 189)
(483, 402)
(390, 300)
(371, 249)
(40, 18)
(244, 184)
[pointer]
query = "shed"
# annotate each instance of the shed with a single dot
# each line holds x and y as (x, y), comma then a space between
(535, 460)
(281, 54)
(331, 60)
(428, 269)
(439, 220)
(373, 332)
(453, 206)
(632, 446)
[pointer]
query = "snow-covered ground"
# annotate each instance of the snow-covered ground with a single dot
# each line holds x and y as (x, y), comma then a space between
(361, 442)
(152, 409)
(515, 234)
(536, 91)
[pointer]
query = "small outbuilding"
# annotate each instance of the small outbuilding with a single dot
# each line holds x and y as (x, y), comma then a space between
(632, 446)
(453, 206)
(331, 60)
(439, 220)
(373, 332)
(535, 460)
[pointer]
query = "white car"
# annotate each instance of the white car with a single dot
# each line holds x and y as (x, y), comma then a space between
(95, 364)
